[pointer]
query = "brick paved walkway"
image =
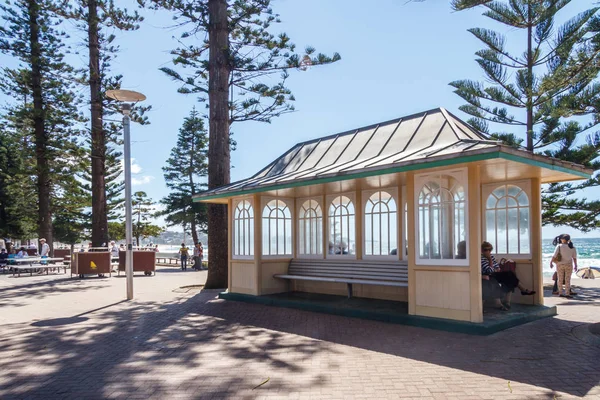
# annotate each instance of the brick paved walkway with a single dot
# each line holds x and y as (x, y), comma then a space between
(64, 338)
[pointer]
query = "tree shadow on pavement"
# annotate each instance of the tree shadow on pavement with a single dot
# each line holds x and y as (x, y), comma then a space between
(202, 347)
(14, 296)
(149, 348)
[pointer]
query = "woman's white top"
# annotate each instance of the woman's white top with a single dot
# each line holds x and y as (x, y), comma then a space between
(567, 254)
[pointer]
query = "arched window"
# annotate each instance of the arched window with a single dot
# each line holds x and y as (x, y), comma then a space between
(276, 229)
(441, 219)
(342, 227)
(243, 229)
(310, 228)
(507, 220)
(381, 232)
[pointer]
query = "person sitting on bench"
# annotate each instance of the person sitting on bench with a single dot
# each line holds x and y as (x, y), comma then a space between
(507, 279)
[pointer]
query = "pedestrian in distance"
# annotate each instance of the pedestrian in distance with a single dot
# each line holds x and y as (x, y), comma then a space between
(184, 253)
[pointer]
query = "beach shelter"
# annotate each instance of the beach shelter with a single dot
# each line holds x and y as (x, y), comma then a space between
(396, 210)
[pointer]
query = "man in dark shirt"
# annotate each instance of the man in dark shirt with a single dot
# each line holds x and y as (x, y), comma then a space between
(3, 257)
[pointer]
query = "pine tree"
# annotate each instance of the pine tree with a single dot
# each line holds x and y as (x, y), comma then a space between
(232, 68)
(186, 165)
(142, 211)
(45, 81)
(538, 93)
(17, 196)
(96, 18)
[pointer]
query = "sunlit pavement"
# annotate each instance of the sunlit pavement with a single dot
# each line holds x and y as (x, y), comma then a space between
(69, 338)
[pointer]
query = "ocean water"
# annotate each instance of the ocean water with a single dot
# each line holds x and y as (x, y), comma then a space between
(588, 254)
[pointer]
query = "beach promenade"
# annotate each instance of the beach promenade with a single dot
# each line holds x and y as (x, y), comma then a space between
(78, 339)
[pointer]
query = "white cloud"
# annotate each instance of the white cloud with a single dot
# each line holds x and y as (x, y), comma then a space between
(142, 180)
(135, 168)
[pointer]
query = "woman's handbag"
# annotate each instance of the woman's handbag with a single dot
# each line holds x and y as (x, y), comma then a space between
(507, 265)
(559, 256)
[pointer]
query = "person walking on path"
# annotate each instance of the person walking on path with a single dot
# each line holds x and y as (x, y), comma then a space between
(184, 254)
(565, 258)
(197, 262)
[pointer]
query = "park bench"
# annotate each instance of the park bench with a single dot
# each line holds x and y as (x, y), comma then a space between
(167, 261)
(365, 272)
(31, 268)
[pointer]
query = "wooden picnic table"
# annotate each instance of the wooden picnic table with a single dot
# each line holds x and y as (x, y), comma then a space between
(35, 259)
(17, 269)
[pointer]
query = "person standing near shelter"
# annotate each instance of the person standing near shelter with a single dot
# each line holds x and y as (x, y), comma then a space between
(184, 253)
(565, 258)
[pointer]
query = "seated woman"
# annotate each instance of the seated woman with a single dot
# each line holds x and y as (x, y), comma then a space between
(507, 280)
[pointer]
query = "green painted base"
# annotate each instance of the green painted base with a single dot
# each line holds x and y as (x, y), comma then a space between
(396, 312)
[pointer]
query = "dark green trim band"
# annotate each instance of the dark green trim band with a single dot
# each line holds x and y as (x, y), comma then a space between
(541, 164)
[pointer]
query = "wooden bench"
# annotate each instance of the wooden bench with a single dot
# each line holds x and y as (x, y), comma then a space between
(366, 272)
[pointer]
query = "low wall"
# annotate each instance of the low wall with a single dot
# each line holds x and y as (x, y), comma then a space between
(243, 277)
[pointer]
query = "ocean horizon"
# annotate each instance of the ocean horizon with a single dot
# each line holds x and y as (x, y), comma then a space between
(588, 252)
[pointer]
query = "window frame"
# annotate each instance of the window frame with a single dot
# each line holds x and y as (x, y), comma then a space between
(461, 175)
(486, 191)
(290, 205)
(299, 203)
(235, 204)
(365, 195)
(329, 199)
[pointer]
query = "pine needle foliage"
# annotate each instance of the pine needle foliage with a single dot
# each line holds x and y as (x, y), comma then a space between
(43, 111)
(231, 59)
(547, 97)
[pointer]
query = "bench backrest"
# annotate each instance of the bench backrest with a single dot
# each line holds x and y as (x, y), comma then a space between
(356, 269)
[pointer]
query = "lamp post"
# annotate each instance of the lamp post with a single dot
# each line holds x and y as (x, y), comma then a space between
(126, 97)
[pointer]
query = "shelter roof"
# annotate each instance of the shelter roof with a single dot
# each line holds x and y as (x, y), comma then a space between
(427, 139)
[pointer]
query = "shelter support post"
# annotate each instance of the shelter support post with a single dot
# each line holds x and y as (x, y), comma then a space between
(258, 242)
(229, 242)
(536, 240)
(359, 226)
(474, 236)
(411, 238)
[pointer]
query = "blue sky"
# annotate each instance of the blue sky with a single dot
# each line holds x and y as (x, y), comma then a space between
(397, 59)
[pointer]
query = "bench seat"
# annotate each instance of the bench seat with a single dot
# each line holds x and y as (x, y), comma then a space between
(17, 269)
(366, 272)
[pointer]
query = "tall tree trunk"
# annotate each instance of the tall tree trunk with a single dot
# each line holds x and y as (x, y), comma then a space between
(99, 209)
(530, 81)
(193, 190)
(218, 148)
(41, 138)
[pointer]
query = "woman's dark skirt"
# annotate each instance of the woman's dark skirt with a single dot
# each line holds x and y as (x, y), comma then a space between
(491, 289)
(507, 279)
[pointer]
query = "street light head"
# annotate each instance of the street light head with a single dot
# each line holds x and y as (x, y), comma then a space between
(125, 95)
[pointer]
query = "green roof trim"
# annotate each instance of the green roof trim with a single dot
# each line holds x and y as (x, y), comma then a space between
(541, 164)
(395, 169)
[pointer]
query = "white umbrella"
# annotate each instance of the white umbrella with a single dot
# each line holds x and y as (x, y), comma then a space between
(589, 273)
